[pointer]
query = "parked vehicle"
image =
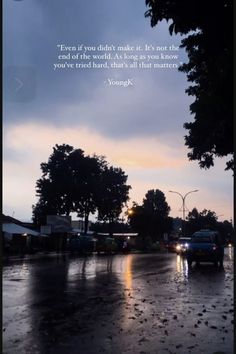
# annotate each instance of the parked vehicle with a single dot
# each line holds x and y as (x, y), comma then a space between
(206, 246)
(182, 245)
(106, 245)
(81, 244)
(171, 246)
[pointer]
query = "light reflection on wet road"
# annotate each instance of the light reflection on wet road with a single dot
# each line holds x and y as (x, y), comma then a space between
(150, 303)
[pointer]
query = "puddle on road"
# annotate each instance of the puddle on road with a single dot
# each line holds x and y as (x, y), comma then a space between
(123, 299)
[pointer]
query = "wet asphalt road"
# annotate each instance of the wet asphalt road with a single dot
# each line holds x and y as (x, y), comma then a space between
(137, 303)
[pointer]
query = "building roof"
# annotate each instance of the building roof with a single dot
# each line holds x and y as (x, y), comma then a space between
(12, 228)
(118, 234)
(9, 219)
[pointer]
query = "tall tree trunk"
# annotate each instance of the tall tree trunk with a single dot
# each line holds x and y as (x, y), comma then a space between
(111, 227)
(86, 220)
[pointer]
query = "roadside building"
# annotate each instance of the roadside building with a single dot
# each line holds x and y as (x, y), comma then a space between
(18, 239)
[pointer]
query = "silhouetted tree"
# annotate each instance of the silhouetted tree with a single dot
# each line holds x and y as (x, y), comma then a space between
(112, 195)
(226, 229)
(137, 219)
(117, 226)
(52, 187)
(209, 46)
(151, 218)
(155, 203)
(85, 182)
(40, 211)
(73, 182)
(196, 221)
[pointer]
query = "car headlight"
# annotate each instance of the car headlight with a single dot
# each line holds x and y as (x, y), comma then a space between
(186, 245)
(178, 247)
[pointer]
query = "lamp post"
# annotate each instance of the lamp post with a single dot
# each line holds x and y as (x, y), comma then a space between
(183, 197)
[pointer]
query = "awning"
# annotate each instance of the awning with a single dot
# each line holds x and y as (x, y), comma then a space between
(11, 228)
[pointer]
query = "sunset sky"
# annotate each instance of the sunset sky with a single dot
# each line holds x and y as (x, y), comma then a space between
(138, 128)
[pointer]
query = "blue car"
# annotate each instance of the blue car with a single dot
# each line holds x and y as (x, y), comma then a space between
(206, 246)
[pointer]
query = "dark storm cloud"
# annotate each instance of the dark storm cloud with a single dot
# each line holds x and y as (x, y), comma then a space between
(156, 104)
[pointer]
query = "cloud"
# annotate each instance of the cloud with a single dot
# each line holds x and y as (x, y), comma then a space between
(149, 164)
(36, 27)
(139, 128)
(27, 145)
(26, 141)
(150, 108)
(213, 194)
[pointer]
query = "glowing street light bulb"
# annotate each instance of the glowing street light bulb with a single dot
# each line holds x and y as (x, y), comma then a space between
(130, 211)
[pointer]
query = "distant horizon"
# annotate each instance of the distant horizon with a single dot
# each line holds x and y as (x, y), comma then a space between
(93, 219)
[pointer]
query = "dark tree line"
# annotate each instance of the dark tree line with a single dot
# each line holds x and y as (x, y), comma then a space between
(207, 219)
(207, 27)
(151, 218)
(74, 182)
(116, 227)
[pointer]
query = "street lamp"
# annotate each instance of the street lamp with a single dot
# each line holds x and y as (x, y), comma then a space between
(130, 212)
(183, 197)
